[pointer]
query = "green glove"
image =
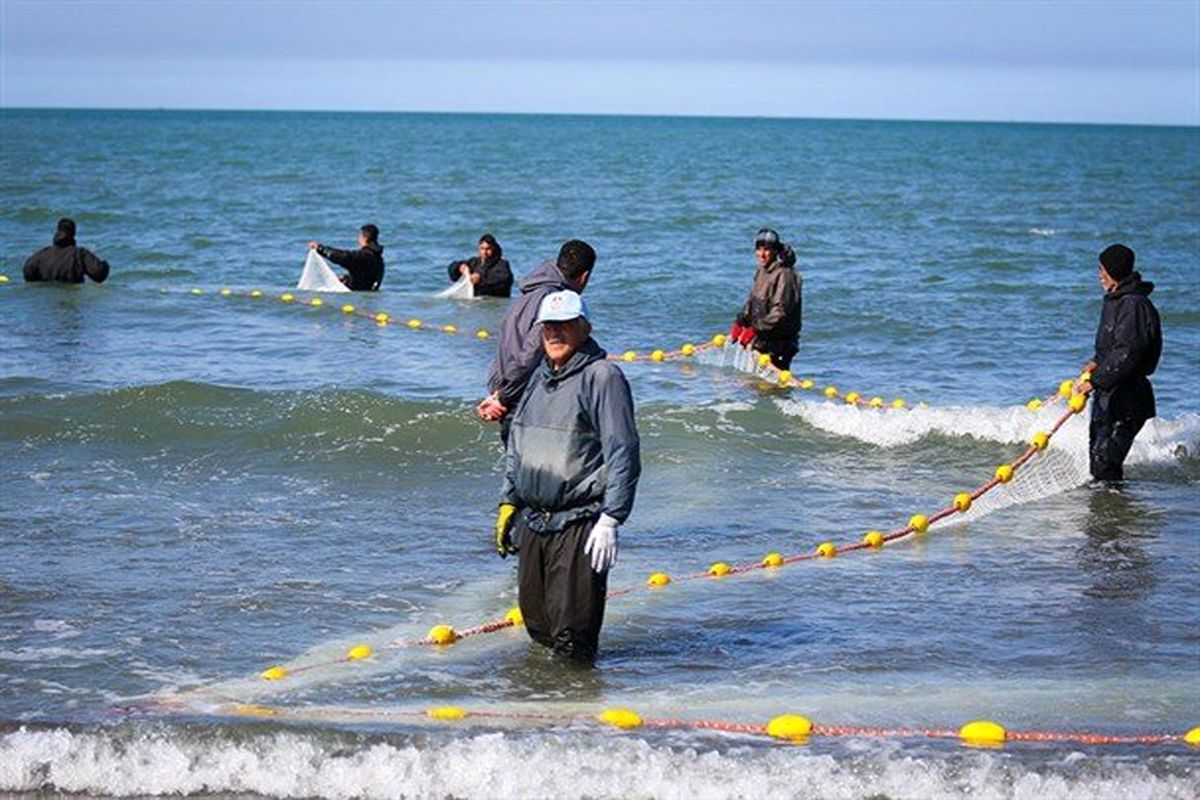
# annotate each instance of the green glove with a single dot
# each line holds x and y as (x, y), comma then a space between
(504, 523)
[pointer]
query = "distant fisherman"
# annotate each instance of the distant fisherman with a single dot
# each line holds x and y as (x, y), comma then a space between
(490, 273)
(571, 473)
(64, 261)
(365, 265)
(1128, 346)
(769, 322)
(519, 348)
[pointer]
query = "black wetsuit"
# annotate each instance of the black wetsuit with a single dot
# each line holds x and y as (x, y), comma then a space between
(495, 276)
(1128, 346)
(365, 265)
(65, 262)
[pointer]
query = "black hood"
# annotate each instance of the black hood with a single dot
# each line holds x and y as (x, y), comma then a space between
(546, 274)
(63, 239)
(1131, 284)
(374, 247)
(588, 352)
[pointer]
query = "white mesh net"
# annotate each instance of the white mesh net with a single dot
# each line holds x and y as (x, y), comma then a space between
(1059, 468)
(462, 289)
(318, 276)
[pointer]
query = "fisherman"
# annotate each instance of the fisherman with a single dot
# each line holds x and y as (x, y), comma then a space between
(64, 261)
(769, 322)
(365, 265)
(1128, 346)
(519, 346)
(571, 472)
(490, 273)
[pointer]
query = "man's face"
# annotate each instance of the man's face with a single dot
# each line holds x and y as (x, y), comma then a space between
(486, 251)
(1106, 281)
(562, 339)
(764, 255)
(362, 239)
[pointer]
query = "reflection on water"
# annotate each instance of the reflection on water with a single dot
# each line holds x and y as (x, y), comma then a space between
(1112, 553)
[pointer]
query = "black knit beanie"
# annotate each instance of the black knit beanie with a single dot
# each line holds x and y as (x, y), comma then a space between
(1117, 260)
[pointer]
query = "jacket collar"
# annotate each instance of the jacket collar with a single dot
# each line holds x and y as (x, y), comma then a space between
(588, 352)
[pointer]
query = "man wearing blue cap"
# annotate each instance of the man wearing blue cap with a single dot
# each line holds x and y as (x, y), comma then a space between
(571, 471)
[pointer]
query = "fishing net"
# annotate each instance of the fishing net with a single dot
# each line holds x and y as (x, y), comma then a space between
(318, 276)
(1061, 467)
(462, 289)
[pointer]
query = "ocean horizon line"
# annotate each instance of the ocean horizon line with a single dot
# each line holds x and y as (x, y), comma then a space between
(599, 115)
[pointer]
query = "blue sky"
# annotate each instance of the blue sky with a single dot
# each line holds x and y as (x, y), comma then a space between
(1117, 62)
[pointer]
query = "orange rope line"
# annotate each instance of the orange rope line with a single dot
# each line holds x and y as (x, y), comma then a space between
(723, 726)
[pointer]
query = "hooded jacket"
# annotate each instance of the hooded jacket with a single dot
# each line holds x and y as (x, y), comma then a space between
(65, 262)
(573, 450)
(773, 308)
(365, 265)
(1128, 346)
(495, 276)
(519, 346)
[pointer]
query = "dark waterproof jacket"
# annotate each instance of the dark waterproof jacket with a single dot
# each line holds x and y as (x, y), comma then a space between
(365, 265)
(774, 305)
(519, 347)
(65, 262)
(495, 276)
(574, 449)
(1128, 346)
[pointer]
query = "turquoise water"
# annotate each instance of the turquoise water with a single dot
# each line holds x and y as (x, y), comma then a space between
(197, 487)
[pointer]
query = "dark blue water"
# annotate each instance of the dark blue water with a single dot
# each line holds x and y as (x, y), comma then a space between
(198, 486)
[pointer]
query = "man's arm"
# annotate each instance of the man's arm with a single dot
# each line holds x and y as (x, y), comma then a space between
(508, 494)
(454, 269)
(353, 260)
(612, 408)
(95, 268)
(1133, 332)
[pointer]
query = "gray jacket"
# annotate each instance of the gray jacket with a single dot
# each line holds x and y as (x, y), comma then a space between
(573, 450)
(519, 347)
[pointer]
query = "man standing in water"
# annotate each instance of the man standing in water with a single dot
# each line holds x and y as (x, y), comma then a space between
(769, 322)
(365, 264)
(64, 261)
(489, 271)
(519, 349)
(571, 472)
(1128, 346)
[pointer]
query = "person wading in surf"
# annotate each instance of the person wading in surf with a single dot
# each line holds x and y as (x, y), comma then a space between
(1128, 346)
(571, 473)
(364, 265)
(519, 346)
(490, 273)
(769, 322)
(64, 261)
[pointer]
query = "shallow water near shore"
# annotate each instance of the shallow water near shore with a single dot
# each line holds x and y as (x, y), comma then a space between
(197, 487)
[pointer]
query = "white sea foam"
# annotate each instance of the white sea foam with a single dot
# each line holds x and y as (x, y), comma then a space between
(1042, 231)
(1063, 466)
(1162, 440)
(561, 765)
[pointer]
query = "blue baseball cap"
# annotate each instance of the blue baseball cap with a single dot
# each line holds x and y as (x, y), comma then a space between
(562, 307)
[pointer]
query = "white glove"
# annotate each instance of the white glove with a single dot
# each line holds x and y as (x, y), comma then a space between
(601, 543)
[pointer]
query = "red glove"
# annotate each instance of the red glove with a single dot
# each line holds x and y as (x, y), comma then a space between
(735, 331)
(745, 337)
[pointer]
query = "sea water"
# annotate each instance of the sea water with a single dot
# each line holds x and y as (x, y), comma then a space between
(196, 487)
